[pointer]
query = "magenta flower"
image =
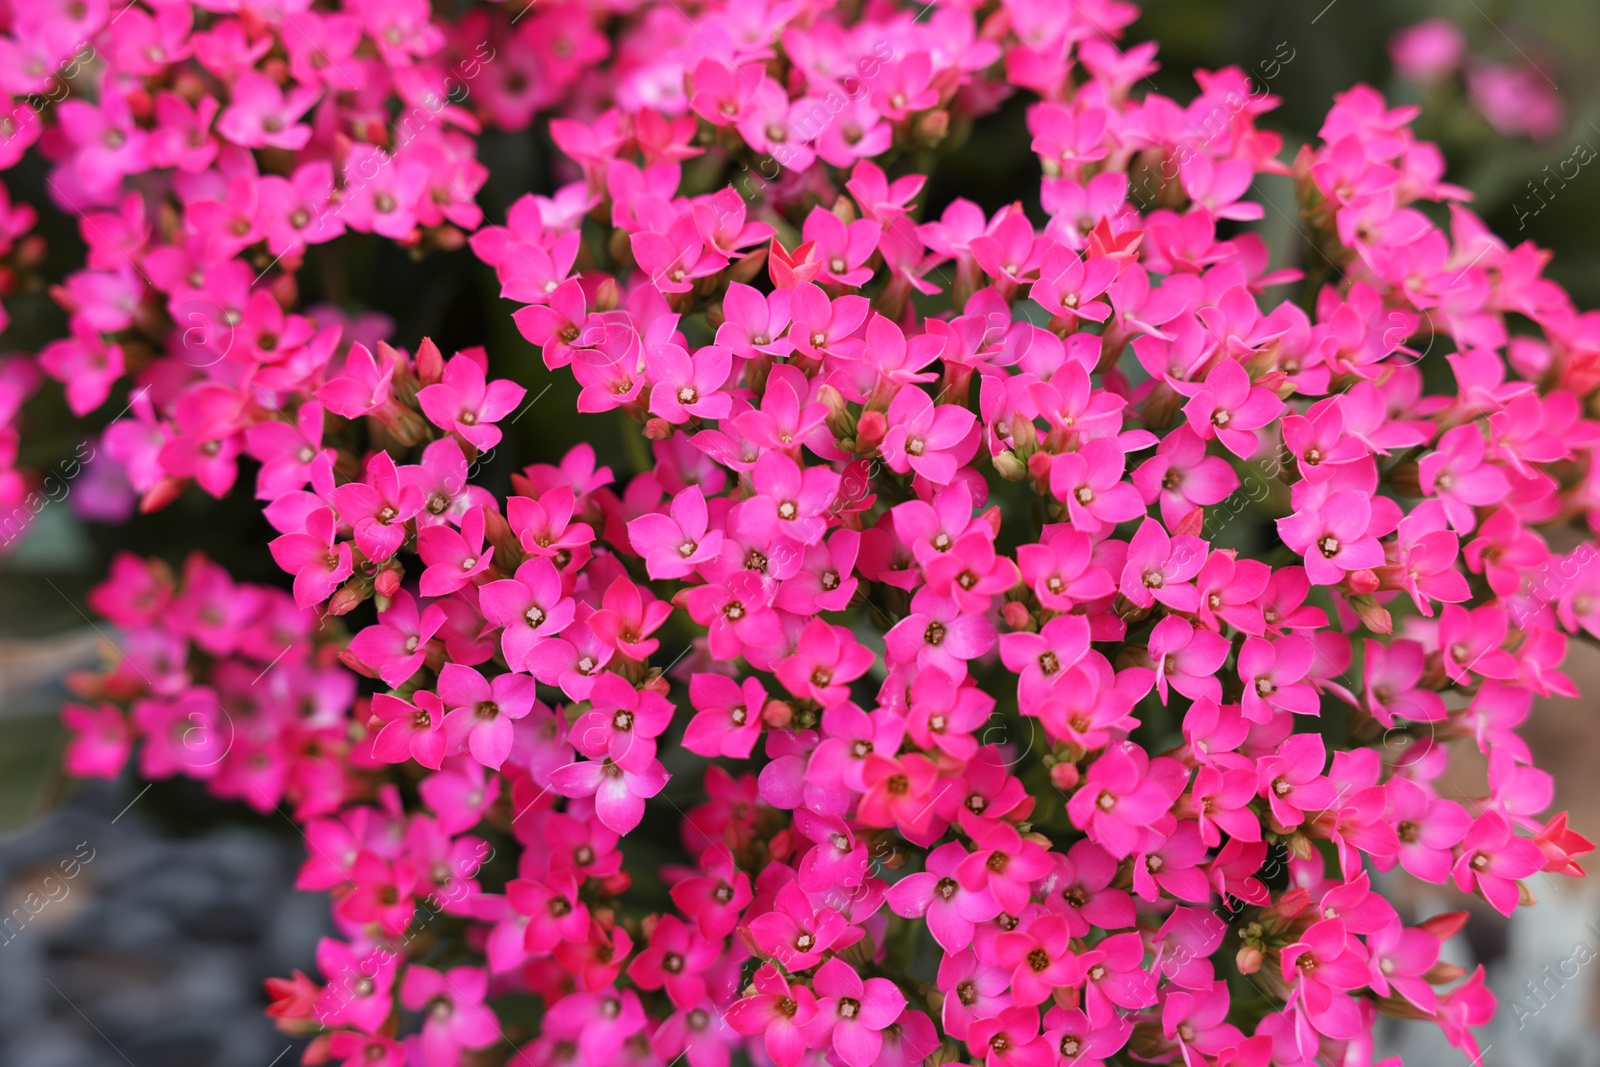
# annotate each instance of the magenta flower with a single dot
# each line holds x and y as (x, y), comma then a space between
(1187, 659)
(529, 607)
(1089, 481)
(410, 730)
(552, 908)
(1229, 407)
(1292, 781)
(952, 910)
(825, 661)
(674, 546)
(1114, 977)
(799, 934)
(1010, 1038)
(619, 788)
(262, 115)
(1004, 862)
(465, 404)
(1491, 860)
(932, 441)
(1324, 964)
(457, 1018)
(851, 1013)
(1159, 568)
(1334, 537)
(1182, 477)
(358, 990)
(1125, 800)
(480, 712)
(1273, 674)
(1040, 659)
(318, 562)
(779, 1013)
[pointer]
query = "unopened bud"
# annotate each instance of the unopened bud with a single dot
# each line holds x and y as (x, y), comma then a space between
(840, 419)
(870, 431)
(1065, 776)
(1016, 615)
(1249, 959)
(1009, 467)
(1361, 582)
(353, 662)
(387, 583)
(430, 364)
(930, 129)
(350, 596)
(607, 296)
(777, 714)
(1374, 616)
(161, 494)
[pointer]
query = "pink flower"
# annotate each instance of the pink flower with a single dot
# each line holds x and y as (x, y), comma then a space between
(1003, 861)
(1187, 659)
(456, 1016)
(319, 563)
(262, 115)
(410, 730)
(1333, 537)
(1159, 568)
(467, 405)
(358, 990)
(619, 788)
(1428, 51)
(480, 712)
(1325, 963)
(1292, 780)
(1230, 407)
(852, 1014)
(1114, 977)
(932, 441)
(1010, 1038)
(1089, 481)
(1124, 800)
(398, 644)
(101, 740)
(1491, 860)
(674, 546)
(1273, 674)
(1040, 660)
(530, 607)
(825, 661)
(779, 1013)
(952, 910)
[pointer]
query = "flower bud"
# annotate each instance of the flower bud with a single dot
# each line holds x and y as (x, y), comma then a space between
(1009, 467)
(350, 596)
(777, 714)
(1015, 613)
(870, 431)
(1065, 776)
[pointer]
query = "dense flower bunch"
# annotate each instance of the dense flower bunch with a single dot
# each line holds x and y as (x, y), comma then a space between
(204, 150)
(223, 682)
(1005, 571)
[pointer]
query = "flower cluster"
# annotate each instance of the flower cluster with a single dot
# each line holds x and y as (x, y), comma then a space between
(1006, 704)
(206, 152)
(1518, 99)
(226, 683)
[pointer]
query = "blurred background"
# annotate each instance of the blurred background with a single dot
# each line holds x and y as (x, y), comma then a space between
(154, 952)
